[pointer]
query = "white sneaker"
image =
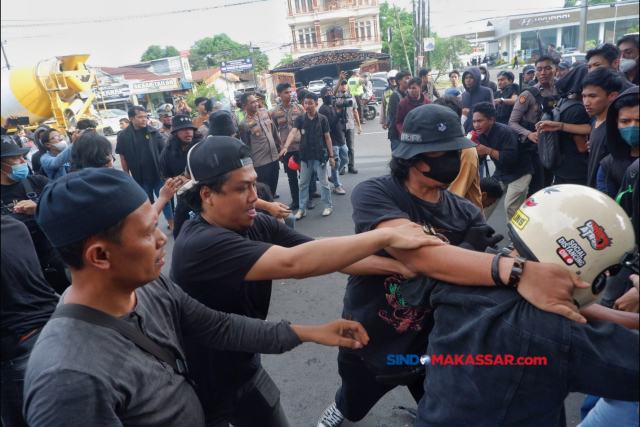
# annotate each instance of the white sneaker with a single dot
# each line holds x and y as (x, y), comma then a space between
(327, 211)
(300, 214)
(331, 417)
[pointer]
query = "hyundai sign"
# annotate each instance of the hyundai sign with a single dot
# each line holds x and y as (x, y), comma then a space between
(236, 65)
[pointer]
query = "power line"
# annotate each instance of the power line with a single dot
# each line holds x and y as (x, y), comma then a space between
(123, 18)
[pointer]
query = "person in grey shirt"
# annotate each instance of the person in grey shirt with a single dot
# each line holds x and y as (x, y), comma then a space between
(349, 127)
(81, 374)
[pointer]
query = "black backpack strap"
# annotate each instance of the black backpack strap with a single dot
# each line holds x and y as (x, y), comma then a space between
(29, 190)
(100, 318)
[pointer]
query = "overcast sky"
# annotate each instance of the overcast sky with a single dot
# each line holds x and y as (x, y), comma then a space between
(121, 42)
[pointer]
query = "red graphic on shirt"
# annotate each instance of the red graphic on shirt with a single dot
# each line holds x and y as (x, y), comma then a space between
(403, 317)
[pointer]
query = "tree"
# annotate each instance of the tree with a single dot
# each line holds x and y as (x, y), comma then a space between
(285, 60)
(156, 52)
(574, 3)
(447, 53)
(396, 50)
(201, 89)
(209, 52)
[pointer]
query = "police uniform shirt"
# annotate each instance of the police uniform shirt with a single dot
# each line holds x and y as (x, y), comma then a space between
(261, 136)
(284, 118)
(527, 108)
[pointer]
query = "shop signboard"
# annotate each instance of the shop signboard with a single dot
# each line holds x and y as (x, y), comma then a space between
(186, 70)
(160, 85)
(236, 65)
(112, 93)
(429, 44)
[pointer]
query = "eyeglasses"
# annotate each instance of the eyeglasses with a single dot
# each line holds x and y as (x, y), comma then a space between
(59, 138)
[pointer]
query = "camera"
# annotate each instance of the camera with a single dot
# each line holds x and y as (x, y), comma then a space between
(347, 100)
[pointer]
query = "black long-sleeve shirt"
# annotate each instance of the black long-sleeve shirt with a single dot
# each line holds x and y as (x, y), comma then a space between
(514, 161)
(335, 125)
(394, 100)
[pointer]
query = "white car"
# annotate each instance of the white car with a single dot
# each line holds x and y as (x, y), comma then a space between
(574, 57)
(110, 119)
(316, 85)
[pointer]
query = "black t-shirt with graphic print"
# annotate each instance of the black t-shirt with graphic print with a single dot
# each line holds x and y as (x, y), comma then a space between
(393, 325)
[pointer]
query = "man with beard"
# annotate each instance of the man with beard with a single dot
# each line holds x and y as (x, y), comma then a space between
(173, 161)
(505, 97)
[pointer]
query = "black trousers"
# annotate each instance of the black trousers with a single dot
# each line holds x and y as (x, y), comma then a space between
(256, 404)
(180, 216)
(268, 174)
(293, 179)
(542, 178)
(360, 391)
(557, 180)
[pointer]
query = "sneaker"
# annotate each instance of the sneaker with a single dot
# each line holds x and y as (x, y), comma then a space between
(343, 170)
(300, 214)
(311, 205)
(339, 190)
(294, 206)
(276, 196)
(353, 170)
(327, 211)
(331, 417)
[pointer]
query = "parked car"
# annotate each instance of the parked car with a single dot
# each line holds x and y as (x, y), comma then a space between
(316, 85)
(381, 75)
(574, 57)
(109, 120)
(379, 85)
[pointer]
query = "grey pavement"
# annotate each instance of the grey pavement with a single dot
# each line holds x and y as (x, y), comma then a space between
(308, 376)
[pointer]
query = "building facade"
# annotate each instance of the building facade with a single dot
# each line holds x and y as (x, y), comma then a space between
(324, 25)
(605, 24)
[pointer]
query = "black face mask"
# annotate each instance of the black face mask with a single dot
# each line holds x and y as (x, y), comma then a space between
(166, 126)
(444, 169)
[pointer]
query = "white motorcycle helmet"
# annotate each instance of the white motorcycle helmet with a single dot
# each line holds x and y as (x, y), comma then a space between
(392, 74)
(165, 109)
(576, 227)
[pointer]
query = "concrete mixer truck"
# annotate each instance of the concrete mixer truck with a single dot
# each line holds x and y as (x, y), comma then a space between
(56, 91)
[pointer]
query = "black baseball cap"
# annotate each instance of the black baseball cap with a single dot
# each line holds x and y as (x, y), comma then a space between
(215, 156)
(528, 69)
(564, 65)
(430, 128)
(10, 148)
(325, 90)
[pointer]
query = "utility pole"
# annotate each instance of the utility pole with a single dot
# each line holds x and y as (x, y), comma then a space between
(428, 28)
(404, 46)
(415, 48)
(6, 61)
(582, 32)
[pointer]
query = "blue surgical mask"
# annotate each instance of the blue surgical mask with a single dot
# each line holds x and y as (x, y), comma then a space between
(630, 135)
(19, 172)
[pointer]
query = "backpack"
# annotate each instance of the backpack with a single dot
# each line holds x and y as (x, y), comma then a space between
(549, 142)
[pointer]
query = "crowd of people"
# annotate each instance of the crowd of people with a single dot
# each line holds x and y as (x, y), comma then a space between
(94, 334)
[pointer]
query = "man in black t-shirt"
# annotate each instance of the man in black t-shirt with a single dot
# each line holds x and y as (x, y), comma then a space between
(20, 193)
(226, 258)
(139, 146)
(27, 303)
(340, 152)
(394, 310)
(505, 97)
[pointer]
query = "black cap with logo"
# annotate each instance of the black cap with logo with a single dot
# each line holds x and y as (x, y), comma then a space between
(431, 128)
(215, 156)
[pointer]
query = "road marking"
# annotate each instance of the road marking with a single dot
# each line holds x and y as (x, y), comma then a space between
(371, 133)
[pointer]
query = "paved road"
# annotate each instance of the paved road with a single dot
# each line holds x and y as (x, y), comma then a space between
(308, 376)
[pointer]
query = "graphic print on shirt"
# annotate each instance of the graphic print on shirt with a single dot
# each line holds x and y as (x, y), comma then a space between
(402, 316)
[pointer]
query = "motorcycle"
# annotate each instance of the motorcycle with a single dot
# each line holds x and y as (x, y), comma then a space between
(369, 110)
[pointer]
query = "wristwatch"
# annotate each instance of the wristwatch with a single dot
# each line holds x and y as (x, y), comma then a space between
(501, 100)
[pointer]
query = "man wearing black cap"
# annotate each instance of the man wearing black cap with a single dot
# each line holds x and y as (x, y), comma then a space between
(261, 136)
(221, 124)
(227, 256)
(395, 310)
(173, 161)
(139, 147)
(528, 75)
(130, 370)
(20, 194)
(340, 152)
(563, 68)
(27, 303)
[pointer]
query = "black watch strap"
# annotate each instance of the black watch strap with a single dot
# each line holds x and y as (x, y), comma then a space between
(495, 270)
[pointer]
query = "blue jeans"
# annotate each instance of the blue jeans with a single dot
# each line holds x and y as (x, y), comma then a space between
(154, 187)
(306, 172)
(394, 144)
(290, 221)
(342, 152)
(612, 413)
(479, 320)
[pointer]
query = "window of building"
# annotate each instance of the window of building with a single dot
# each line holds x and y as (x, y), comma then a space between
(529, 41)
(363, 30)
(621, 27)
(593, 34)
(334, 34)
(570, 37)
(307, 37)
(304, 6)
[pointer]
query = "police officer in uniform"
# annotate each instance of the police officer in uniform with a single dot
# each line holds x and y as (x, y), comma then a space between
(392, 84)
(261, 136)
(283, 115)
(527, 111)
(165, 114)
(357, 90)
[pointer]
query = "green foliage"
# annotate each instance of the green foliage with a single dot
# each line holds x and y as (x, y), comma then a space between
(156, 52)
(591, 44)
(633, 29)
(209, 52)
(499, 62)
(395, 49)
(201, 89)
(285, 60)
(505, 53)
(574, 3)
(446, 54)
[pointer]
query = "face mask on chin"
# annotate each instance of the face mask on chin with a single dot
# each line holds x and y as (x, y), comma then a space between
(166, 125)
(444, 169)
